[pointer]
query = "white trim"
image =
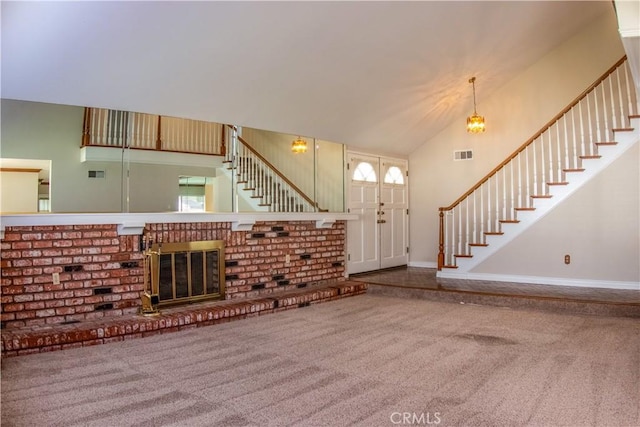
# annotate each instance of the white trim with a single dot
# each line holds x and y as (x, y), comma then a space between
(629, 32)
(130, 228)
(113, 154)
(130, 223)
(325, 223)
(423, 264)
(242, 225)
(556, 281)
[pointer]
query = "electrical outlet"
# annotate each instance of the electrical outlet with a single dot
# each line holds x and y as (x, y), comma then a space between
(56, 278)
(567, 259)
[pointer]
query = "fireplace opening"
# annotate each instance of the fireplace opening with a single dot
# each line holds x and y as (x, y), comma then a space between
(187, 272)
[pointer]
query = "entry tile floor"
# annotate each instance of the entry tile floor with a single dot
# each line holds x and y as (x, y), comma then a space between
(425, 279)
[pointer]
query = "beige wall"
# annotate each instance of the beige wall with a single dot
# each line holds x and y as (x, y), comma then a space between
(598, 226)
(18, 192)
(513, 114)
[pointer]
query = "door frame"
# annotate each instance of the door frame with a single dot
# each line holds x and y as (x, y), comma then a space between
(351, 226)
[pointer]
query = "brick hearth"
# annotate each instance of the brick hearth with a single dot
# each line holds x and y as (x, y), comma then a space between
(41, 338)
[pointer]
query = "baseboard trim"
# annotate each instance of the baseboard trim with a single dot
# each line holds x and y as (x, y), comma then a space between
(540, 280)
(423, 264)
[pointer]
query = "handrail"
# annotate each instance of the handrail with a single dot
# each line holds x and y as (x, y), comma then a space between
(540, 132)
(275, 170)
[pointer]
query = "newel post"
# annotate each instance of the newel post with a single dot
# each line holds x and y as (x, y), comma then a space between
(159, 134)
(223, 139)
(441, 242)
(86, 127)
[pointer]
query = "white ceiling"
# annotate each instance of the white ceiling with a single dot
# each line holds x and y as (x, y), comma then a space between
(382, 76)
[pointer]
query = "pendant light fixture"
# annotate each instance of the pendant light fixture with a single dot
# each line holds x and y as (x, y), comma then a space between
(475, 123)
(299, 145)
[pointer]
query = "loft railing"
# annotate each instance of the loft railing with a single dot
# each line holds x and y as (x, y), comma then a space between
(115, 128)
(268, 185)
(544, 160)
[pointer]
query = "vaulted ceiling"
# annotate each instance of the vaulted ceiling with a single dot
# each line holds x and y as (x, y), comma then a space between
(381, 76)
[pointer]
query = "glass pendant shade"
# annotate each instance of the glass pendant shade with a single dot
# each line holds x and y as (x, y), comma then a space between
(299, 146)
(475, 124)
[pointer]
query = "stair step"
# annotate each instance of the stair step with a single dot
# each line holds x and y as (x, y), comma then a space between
(622, 130)
(558, 183)
(493, 233)
(449, 266)
(479, 244)
(574, 170)
(542, 196)
(264, 204)
(594, 156)
(524, 209)
(598, 144)
(256, 197)
(249, 188)
(508, 221)
(242, 182)
(463, 256)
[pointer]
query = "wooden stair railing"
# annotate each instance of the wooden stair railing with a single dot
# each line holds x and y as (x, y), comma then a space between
(124, 129)
(545, 159)
(265, 181)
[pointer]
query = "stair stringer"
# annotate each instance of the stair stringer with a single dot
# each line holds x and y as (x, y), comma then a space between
(609, 153)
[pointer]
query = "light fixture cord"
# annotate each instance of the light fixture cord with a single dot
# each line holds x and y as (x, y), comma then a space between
(472, 80)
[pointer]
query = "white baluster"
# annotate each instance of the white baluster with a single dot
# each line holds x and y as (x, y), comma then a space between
(605, 135)
(468, 230)
(582, 144)
(614, 120)
(630, 92)
(623, 120)
(481, 231)
(459, 237)
(512, 190)
(559, 158)
(574, 154)
(566, 149)
(524, 201)
(534, 188)
(589, 151)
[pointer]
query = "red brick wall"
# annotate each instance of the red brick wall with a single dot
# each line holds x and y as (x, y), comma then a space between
(101, 272)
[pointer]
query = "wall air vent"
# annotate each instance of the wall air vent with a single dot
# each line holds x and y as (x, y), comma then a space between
(96, 174)
(463, 155)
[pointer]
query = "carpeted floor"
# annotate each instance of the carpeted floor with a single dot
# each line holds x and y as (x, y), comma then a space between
(362, 361)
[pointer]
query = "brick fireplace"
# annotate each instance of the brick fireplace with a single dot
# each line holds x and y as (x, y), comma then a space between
(54, 274)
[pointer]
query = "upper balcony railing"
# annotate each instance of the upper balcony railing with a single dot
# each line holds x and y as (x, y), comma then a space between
(115, 128)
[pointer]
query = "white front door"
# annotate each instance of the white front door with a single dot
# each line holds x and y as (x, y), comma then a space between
(378, 194)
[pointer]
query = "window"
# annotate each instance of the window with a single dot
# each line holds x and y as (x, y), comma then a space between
(394, 176)
(192, 194)
(364, 172)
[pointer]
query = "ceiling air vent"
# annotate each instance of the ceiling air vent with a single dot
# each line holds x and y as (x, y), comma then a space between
(96, 174)
(463, 155)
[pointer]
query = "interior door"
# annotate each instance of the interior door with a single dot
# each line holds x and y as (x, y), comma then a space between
(378, 194)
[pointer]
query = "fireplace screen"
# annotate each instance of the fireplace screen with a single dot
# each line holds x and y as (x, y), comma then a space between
(187, 272)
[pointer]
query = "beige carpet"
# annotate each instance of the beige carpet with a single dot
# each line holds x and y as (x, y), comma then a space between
(362, 361)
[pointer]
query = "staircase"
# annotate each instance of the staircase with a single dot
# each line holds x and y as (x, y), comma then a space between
(581, 141)
(259, 183)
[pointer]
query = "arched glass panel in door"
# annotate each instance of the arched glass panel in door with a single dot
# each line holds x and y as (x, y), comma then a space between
(394, 176)
(364, 172)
